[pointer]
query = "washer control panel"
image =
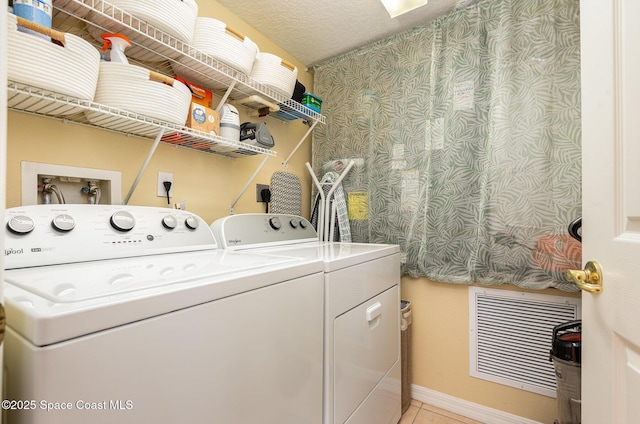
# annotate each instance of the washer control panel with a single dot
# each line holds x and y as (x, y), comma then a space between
(54, 234)
(245, 231)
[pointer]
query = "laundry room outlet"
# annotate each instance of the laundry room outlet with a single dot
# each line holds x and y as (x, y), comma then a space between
(164, 177)
(260, 196)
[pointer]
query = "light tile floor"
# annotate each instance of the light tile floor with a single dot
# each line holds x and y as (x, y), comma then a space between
(421, 413)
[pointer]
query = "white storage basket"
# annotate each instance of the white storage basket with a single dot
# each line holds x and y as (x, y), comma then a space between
(71, 7)
(275, 73)
(143, 92)
(71, 70)
(216, 39)
(176, 18)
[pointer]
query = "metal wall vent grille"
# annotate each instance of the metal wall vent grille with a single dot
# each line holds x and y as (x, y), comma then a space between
(510, 336)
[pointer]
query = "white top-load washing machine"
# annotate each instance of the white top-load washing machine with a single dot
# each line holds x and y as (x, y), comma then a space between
(119, 314)
(362, 312)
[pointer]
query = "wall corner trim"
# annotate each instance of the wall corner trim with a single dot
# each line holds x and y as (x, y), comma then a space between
(465, 408)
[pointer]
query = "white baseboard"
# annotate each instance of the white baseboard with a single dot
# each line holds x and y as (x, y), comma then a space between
(465, 408)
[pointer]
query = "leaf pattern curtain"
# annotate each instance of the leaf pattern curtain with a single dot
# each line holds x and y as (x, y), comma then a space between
(466, 138)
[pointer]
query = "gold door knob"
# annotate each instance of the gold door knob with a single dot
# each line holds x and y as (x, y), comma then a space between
(590, 279)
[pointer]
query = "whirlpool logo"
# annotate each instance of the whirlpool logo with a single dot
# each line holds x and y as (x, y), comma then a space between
(8, 252)
(234, 241)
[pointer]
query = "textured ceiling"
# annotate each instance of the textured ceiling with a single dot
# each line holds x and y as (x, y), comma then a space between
(313, 31)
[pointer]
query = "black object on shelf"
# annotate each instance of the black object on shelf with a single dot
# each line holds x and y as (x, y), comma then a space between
(298, 92)
(575, 229)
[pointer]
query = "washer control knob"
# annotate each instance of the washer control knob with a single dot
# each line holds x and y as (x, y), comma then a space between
(303, 224)
(191, 222)
(294, 223)
(169, 222)
(20, 225)
(122, 221)
(63, 223)
(274, 223)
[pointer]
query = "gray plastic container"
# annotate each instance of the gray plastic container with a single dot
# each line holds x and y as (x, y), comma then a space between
(568, 379)
(405, 353)
(566, 354)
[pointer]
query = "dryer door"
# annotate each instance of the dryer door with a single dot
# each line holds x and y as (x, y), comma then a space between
(366, 346)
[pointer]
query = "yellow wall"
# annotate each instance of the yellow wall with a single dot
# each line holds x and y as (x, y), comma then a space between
(440, 350)
(208, 183)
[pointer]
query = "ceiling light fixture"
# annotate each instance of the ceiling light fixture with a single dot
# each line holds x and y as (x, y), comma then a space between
(398, 7)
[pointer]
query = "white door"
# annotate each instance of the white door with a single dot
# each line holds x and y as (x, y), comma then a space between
(3, 159)
(611, 209)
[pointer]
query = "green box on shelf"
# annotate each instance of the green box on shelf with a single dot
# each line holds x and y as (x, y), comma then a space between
(312, 101)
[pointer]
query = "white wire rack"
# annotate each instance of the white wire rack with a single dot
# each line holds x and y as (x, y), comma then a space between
(225, 81)
(160, 52)
(41, 102)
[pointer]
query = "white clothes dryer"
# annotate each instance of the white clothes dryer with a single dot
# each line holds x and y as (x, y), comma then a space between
(362, 370)
(120, 314)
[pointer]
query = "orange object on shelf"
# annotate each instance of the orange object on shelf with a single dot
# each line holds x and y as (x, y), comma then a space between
(199, 95)
(203, 118)
(557, 253)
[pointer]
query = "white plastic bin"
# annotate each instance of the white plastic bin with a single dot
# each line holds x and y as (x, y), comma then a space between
(143, 92)
(69, 68)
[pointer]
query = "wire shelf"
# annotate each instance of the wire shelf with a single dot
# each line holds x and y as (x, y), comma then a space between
(36, 101)
(163, 51)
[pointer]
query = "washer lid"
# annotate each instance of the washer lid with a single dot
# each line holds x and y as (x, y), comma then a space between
(53, 303)
(93, 280)
(334, 255)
